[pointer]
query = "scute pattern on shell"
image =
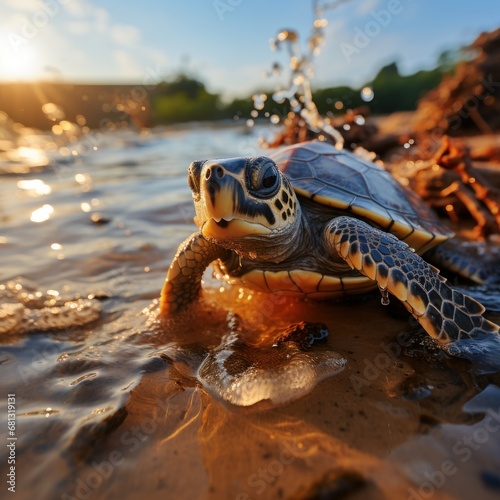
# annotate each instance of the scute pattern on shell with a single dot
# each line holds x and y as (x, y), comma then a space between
(340, 179)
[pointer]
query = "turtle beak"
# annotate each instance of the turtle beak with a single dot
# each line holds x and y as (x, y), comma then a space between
(217, 192)
(217, 195)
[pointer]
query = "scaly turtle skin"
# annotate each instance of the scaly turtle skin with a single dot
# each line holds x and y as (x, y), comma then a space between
(318, 222)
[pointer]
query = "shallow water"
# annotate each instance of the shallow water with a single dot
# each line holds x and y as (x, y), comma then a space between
(115, 408)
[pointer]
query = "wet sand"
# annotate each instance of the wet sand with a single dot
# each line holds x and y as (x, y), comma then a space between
(114, 409)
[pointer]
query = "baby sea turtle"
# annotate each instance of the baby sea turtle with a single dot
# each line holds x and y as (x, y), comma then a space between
(318, 222)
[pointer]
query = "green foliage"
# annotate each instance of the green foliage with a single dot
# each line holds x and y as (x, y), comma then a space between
(243, 107)
(239, 107)
(394, 92)
(325, 99)
(185, 98)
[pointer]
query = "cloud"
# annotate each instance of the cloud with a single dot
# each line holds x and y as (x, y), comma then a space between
(101, 19)
(77, 8)
(125, 34)
(87, 12)
(27, 5)
(127, 66)
(78, 27)
(82, 41)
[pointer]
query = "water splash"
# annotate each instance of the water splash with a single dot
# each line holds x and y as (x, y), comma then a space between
(483, 352)
(244, 375)
(301, 64)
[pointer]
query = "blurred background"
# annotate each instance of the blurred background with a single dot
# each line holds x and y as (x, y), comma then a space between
(96, 63)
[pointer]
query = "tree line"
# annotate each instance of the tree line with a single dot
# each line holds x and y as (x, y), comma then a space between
(185, 98)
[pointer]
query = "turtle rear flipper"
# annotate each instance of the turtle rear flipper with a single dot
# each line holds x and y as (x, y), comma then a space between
(470, 259)
(445, 313)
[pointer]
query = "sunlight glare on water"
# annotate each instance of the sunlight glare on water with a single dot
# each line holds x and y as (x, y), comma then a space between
(34, 187)
(42, 214)
(53, 111)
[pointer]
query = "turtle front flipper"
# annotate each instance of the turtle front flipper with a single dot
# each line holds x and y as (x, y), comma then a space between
(475, 260)
(183, 282)
(445, 313)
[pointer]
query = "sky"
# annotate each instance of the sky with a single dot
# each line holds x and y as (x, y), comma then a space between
(226, 42)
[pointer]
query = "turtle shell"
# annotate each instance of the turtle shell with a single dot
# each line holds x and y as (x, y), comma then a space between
(344, 181)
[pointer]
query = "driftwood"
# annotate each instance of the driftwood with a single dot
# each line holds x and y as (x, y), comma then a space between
(467, 101)
(450, 182)
(355, 126)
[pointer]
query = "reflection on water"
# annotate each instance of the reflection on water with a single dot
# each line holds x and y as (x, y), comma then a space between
(116, 408)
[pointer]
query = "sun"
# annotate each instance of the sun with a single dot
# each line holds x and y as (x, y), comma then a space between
(23, 64)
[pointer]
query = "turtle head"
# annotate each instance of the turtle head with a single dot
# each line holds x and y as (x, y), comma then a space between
(240, 202)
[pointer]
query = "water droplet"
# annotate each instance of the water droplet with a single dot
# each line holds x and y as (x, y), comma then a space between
(294, 64)
(298, 79)
(288, 36)
(275, 119)
(259, 100)
(279, 97)
(320, 23)
(250, 123)
(276, 69)
(385, 296)
(359, 120)
(367, 94)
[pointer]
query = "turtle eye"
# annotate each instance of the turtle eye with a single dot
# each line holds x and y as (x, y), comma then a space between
(263, 179)
(269, 177)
